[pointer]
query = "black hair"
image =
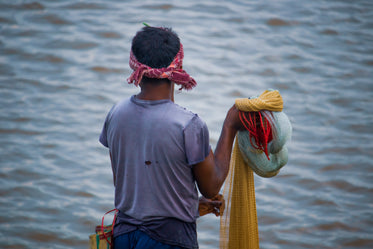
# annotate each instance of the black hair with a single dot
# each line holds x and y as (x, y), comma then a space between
(155, 47)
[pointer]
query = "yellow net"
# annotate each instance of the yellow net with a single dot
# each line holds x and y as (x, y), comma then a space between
(239, 223)
(268, 100)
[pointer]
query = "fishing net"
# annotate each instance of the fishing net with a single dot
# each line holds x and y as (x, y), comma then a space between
(267, 165)
(260, 149)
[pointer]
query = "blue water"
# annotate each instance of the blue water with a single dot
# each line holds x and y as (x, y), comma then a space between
(63, 64)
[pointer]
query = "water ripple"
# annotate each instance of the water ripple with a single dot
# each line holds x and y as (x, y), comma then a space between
(63, 64)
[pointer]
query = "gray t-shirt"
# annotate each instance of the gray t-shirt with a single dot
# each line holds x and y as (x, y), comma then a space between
(154, 145)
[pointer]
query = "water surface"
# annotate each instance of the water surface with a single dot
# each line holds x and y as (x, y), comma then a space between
(63, 64)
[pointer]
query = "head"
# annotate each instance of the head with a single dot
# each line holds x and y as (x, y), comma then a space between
(155, 47)
(157, 53)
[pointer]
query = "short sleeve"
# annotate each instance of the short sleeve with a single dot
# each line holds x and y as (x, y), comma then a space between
(103, 135)
(196, 139)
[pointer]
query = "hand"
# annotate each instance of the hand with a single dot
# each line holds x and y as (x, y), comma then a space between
(233, 120)
(215, 205)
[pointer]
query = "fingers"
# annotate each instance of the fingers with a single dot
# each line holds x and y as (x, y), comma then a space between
(233, 119)
(218, 197)
(218, 205)
(221, 205)
(216, 211)
(215, 205)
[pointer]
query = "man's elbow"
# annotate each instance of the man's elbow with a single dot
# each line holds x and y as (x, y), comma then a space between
(210, 193)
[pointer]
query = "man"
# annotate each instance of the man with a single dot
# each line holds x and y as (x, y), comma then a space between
(160, 150)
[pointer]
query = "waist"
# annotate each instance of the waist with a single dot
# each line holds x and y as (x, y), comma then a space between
(166, 230)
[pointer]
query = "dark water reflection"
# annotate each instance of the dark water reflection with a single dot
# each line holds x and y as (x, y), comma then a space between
(64, 63)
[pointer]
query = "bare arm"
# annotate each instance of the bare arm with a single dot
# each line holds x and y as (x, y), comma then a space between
(211, 173)
(112, 167)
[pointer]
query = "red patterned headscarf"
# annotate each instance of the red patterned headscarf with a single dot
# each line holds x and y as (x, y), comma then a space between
(174, 72)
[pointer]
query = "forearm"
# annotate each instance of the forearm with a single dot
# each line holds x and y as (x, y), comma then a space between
(211, 173)
(223, 151)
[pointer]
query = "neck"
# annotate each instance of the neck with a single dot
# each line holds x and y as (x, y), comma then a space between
(156, 90)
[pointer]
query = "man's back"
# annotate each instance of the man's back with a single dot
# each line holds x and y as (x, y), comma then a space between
(153, 146)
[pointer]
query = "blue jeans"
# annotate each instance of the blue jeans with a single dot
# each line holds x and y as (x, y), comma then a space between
(139, 240)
